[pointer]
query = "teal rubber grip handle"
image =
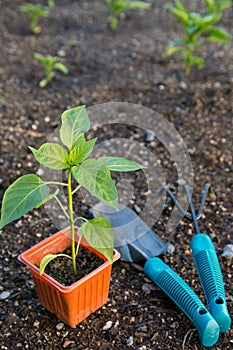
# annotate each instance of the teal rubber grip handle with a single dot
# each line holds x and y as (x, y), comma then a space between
(185, 298)
(210, 275)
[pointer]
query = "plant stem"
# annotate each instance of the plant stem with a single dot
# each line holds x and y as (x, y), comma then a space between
(188, 62)
(55, 183)
(80, 218)
(71, 217)
(187, 68)
(76, 189)
(78, 244)
(62, 207)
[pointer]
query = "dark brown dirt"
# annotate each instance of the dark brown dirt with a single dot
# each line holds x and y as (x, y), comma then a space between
(125, 66)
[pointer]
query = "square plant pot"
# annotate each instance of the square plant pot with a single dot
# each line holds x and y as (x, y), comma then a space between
(71, 304)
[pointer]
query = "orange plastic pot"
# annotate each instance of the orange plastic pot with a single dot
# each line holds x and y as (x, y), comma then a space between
(71, 304)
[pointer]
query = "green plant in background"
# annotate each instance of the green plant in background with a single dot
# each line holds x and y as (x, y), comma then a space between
(118, 6)
(198, 29)
(51, 3)
(51, 64)
(34, 12)
(217, 6)
(30, 191)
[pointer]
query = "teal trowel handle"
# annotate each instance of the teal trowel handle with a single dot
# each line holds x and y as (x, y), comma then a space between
(210, 275)
(185, 298)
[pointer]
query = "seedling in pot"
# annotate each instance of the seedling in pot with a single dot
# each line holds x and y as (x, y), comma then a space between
(119, 6)
(34, 12)
(51, 64)
(198, 30)
(30, 191)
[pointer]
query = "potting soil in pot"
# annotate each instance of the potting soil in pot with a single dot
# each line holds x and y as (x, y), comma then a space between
(62, 271)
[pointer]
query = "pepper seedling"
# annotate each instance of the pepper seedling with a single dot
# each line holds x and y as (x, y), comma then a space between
(119, 6)
(34, 12)
(50, 64)
(198, 29)
(72, 156)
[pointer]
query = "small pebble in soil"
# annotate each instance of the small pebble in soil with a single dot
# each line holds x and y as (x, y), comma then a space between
(161, 87)
(129, 341)
(59, 326)
(30, 284)
(67, 343)
(107, 326)
(143, 329)
(183, 85)
(137, 208)
(170, 248)
(181, 182)
(61, 53)
(150, 135)
(40, 172)
(148, 287)
(146, 279)
(12, 318)
(173, 325)
(5, 295)
(47, 119)
(228, 251)
(132, 320)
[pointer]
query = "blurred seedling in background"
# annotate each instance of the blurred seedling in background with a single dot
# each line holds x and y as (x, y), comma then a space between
(51, 3)
(34, 13)
(119, 6)
(198, 30)
(51, 64)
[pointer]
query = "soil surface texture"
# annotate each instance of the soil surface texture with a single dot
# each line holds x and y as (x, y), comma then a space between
(125, 66)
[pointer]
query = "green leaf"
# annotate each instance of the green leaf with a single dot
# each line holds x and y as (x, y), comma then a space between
(47, 61)
(207, 20)
(181, 7)
(47, 198)
(43, 83)
(39, 57)
(113, 22)
(221, 5)
(139, 5)
(51, 3)
(96, 178)
(80, 150)
(100, 236)
(34, 11)
(170, 50)
(218, 35)
(51, 155)
(47, 259)
(21, 197)
(61, 67)
(210, 4)
(120, 164)
(181, 15)
(75, 122)
(199, 61)
(190, 31)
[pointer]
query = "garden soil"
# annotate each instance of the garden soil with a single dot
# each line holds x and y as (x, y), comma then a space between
(126, 66)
